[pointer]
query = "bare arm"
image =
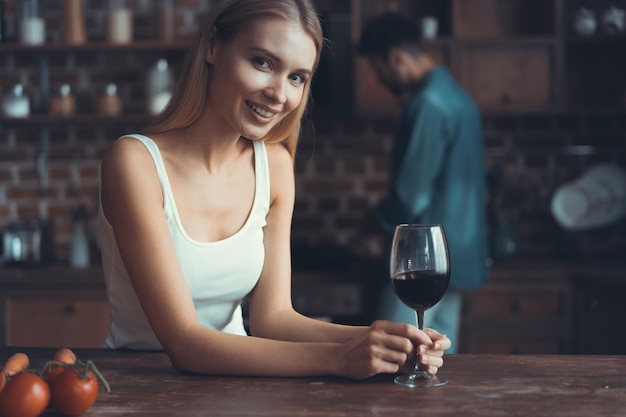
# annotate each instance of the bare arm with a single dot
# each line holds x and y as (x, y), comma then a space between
(133, 203)
(271, 311)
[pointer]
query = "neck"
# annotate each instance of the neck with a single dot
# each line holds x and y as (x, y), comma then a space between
(217, 145)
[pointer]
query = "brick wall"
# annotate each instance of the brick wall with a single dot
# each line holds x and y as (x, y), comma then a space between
(341, 169)
(73, 148)
(342, 173)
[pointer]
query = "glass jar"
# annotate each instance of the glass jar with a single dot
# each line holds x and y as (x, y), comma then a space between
(120, 22)
(160, 85)
(32, 26)
(166, 18)
(15, 102)
(110, 103)
(74, 32)
(63, 103)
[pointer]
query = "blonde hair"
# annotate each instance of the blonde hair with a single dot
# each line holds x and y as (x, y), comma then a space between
(229, 17)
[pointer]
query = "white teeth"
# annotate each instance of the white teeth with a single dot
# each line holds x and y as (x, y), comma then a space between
(261, 112)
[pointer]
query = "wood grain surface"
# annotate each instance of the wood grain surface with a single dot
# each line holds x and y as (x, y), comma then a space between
(145, 384)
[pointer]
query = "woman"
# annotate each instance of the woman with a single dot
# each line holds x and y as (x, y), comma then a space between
(196, 214)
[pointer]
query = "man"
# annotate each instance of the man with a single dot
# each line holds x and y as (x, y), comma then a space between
(437, 166)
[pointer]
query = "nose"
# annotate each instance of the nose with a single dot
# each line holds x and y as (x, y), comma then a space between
(277, 90)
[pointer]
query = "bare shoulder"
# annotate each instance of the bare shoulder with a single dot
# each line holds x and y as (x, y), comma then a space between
(128, 179)
(128, 166)
(125, 156)
(281, 169)
(278, 156)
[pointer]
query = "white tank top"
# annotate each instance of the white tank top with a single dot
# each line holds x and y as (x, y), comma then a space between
(219, 274)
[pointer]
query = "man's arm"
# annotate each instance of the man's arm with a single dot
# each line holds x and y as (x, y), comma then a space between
(416, 169)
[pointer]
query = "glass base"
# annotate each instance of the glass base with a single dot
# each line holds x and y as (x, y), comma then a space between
(420, 381)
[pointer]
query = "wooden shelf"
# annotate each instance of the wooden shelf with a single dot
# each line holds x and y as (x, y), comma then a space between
(512, 56)
(585, 40)
(147, 45)
(45, 119)
(553, 110)
(518, 41)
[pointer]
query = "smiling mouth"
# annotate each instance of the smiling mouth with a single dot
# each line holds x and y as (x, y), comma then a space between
(261, 111)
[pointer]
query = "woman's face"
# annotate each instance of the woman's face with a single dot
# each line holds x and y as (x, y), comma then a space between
(259, 76)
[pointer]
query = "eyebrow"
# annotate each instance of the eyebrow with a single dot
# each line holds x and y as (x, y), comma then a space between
(275, 57)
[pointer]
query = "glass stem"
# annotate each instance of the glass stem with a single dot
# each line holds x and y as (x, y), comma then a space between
(420, 369)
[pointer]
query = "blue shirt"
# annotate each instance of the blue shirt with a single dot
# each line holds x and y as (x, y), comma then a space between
(437, 174)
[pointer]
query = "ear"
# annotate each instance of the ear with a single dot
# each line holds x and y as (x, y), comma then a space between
(209, 56)
(398, 57)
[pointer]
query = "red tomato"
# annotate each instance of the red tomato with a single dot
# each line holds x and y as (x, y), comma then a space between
(52, 373)
(73, 393)
(25, 395)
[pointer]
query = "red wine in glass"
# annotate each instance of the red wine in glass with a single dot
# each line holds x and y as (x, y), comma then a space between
(420, 290)
(420, 274)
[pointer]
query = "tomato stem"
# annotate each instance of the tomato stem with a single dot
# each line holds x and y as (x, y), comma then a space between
(52, 364)
(92, 366)
(81, 367)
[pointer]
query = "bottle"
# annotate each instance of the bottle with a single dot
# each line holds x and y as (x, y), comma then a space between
(160, 83)
(120, 22)
(64, 103)
(32, 26)
(16, 103)
(79, 246)
(74, 32)
(166, 12)
(110, 103)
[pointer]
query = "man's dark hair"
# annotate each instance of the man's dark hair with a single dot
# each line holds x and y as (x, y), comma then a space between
(386, 31)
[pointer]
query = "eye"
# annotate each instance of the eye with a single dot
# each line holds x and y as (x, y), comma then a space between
(298, 78)
(261, 62)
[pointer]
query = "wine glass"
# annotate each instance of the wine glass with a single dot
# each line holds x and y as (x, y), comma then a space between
(420, 274)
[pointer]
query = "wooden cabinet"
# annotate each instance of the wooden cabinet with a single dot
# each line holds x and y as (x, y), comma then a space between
(53, 306)
(538, 307)
(501, 76)
(489, 19)
(507, 52)
(600, 308)
(523, 309)
(511, 55)
(50, 319)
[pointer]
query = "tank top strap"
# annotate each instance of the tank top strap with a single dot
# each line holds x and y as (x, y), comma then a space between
(155, 153)
(261, 168)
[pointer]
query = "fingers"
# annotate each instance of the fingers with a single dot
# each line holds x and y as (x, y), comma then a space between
(431, 356)
(417, 336)
(433, 342)
(394, 346)
(376, 352)
(433, 360)
(440, 341)
(395, 357)
(390, 347)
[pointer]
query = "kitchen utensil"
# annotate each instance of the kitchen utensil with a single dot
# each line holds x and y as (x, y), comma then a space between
(28, 242)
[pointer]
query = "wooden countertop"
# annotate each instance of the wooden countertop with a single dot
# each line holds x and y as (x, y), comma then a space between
(480, 385)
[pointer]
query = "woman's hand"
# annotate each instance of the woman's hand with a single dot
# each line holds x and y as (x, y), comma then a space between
(389, 347)
(430, 355)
